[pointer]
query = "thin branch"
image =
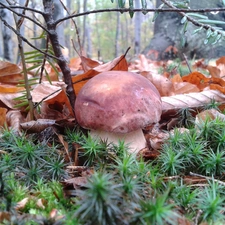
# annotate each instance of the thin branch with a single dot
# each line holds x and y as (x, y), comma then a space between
(20, 7)
(19, 23)
(76, 28)
(53, 36)
(193, 21)
(25, 40)
(174, 9)
(207, 178)
(22, 15)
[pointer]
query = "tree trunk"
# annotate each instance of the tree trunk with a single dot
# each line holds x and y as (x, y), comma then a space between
(117, 34)
(137, 28)
(168, 36)
(6, 34)
(58, 13)
(84, 25)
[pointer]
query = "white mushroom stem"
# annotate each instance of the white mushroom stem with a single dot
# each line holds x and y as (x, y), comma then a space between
(134, 140)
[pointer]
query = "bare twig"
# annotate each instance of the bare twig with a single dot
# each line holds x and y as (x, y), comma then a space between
(193, 21)
(25, 40)
(186, 60)
(10, 8)
(174, 9)
(76, 28)
(53, 36)
(44, 61)
(208, 178)
(38, 103)
(19, 23)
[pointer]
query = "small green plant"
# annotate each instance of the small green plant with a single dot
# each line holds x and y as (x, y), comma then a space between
(99, 203)
(172, 162)
(186, 198)
(94, 150)
(211, 202)
(213, 163)
(29, 159)
(156, 211)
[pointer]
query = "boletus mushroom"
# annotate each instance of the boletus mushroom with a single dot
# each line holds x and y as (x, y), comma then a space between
(117, 105)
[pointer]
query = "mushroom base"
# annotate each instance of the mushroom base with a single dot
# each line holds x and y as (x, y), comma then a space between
(134, 140)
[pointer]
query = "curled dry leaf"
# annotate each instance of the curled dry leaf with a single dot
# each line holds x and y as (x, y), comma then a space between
(5, 216)
(3, 112)
(163, 84)
(51, 94)
(21, 204)
(202, 81)
(209, 114)
(41, 203)
(8, 99)
(37, 126)
(77, 182)
(75, 64)
(184, 88)
(10, 73)
(118, 63)
(171, 104)
(14, 118)
(88, 63)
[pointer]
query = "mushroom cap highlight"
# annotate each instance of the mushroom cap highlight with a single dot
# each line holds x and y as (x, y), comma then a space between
(118, 101)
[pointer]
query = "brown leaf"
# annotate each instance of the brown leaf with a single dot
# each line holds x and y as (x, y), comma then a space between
(14, 118)
(65, 145)
(4, 216)
(214, 71)
(171, 104)
(77, 182)
(41, 203)
(7, 88)
(184, 88)
(202, 82)
(118, 63)
(88, 64)
(75, 64)
(209, 114)
(8, 99)
(52, 94)
(163, 84)
(37, 126)
(21, 204)
(3, 112)
(176, 78)
(221, 60)
(10, 73)
(197, 78)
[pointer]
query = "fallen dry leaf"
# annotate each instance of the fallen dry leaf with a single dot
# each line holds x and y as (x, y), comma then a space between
(4, 216)
(77, 182)
(171, 104)
(21, 204)
(14, 118)
(184, 88)
(163, 84)
(221, 60)
(37, 126)
(65, 145)
(214, 71)
(51, 94)
(10, 73)
(88, 64)
(118, 63)
(3, 112)
(209, 114)
(197, 78)
(75, 64)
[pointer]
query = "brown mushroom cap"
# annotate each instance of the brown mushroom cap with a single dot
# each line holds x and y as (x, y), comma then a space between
(118, 101)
